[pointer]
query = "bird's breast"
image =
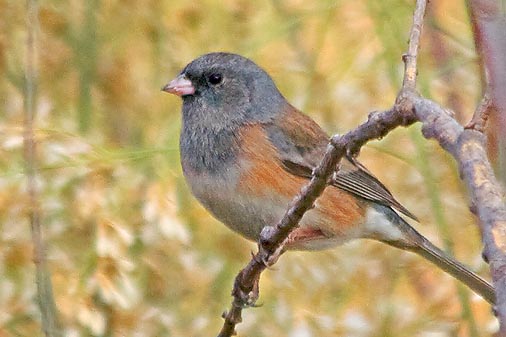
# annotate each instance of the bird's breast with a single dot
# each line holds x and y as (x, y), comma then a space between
(253, 190)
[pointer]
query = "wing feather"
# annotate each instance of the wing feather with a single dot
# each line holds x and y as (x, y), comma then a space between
(302, 143)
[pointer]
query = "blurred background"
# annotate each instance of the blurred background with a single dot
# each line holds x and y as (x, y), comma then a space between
(130, 251)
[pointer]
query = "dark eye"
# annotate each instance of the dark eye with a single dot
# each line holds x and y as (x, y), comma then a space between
(215, 78)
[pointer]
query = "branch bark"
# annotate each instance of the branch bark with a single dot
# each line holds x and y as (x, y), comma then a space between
(489, 27)
(467, 146)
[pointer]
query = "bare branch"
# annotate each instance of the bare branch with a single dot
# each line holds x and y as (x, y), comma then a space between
(481, 114)
(410, 58)
(467, 146)
(273, 238)
(378, 125)
(489, 27)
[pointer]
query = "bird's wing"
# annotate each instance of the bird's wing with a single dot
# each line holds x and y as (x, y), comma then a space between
(301, 144)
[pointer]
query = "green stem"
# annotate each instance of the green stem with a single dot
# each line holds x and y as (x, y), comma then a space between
(43, 277)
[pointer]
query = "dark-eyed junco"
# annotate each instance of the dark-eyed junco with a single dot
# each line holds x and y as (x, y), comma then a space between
(246, 152)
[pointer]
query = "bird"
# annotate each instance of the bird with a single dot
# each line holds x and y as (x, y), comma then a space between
(246, 152)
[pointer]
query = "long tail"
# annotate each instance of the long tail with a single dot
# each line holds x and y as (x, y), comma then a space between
(418, 244)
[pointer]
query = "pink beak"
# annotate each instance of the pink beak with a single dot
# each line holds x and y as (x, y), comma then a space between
(180, 86)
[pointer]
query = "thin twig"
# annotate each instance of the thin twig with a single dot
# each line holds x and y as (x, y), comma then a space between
(410, 58)
(481, 114)
(44, 288)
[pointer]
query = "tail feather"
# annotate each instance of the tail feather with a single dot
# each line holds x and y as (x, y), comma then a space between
(418, 244)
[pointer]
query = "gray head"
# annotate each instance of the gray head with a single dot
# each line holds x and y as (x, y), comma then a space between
(224, 90)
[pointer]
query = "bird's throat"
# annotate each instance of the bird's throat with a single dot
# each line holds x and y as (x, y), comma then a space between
(207, 150)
